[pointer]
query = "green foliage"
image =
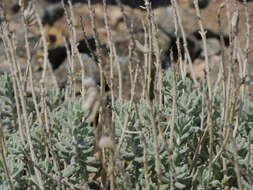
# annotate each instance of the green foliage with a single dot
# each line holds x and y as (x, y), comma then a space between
(67, 152)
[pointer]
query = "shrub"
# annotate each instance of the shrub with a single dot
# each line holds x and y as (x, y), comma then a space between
(65, 155)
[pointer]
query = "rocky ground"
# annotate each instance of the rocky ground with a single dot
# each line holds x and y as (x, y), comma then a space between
(58, 34)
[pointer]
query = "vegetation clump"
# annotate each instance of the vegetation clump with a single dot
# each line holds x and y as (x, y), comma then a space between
(178, 128)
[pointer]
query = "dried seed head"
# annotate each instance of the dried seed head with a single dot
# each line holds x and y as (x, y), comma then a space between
(89, 82)
(106, 142)
(92, 93)
(29, 15)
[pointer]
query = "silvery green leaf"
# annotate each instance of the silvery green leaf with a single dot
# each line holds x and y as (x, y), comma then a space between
(215, 183)
(181, 169)
(18, 170)
(91, 168)
(88, 150)
(181, 176)
(139, 159)
(61, 147)
(225, 180)
(68, 171)
(90, 159)
(179, 185)
(150, 186)
(165, 179)
(164, 187)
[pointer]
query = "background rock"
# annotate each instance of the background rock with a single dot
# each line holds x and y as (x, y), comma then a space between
(58, 33)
